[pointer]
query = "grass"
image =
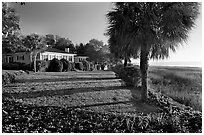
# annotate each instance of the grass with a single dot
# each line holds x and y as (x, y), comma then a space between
(98, 91)
(182, 84)
(97, 102)
(101, 91)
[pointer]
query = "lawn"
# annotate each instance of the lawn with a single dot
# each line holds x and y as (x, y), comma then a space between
(99, 91)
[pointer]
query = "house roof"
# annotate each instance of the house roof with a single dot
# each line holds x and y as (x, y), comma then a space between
(81, 56)
(49, 49)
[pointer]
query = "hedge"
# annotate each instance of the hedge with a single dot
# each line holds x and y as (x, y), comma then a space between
(55, 65)
(130, 75)
(16, 66)
(66, 66)
(79, 66)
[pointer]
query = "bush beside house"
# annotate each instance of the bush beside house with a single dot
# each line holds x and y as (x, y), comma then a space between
(65, 65)
(79, 66)
(86, 65)
(16, 66)
(55, 65)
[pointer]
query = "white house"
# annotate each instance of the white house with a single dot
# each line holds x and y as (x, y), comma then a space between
(51, 53)
(48, 54)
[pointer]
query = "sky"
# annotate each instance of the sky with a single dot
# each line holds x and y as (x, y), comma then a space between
(83, 21)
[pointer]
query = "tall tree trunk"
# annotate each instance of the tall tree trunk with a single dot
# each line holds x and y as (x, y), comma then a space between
(125, 62)
(34, 57)
(34, 63)
(144, 72)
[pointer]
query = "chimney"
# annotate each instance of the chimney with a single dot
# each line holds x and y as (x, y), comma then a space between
(67, 50)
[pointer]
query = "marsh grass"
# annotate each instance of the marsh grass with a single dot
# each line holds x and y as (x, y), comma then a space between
(184, 86)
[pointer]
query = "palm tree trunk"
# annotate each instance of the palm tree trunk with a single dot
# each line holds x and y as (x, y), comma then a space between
(144, 73)
(125, 62)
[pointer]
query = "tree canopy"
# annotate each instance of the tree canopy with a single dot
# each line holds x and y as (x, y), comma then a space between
(11, 38)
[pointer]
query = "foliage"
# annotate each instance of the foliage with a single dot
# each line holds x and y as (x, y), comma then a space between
(96, 43)
(80, 49)
(86, 65)
(189, 118)
(36, 43)
(149, 29)
(184, 86)
(72, 66)
(55, 65)
(10, 21)
(8, 78)
(130, 75)
(164, 24)
(11, 37)
(66, 65)
(50, 40)
(79, 66)
(41, 65)
(62, 43)
(92, 53)
(26, 118)
(95, 50)
(16, 66)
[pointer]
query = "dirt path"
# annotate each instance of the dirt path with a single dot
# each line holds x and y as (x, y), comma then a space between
(96, 90)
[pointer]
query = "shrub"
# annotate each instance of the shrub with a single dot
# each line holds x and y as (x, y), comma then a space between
(65, 65)
(72, 66)
(41, 65)
(130, 75)
(11, 66)
(79, 66)
(86, 65)
(55, 65)
(16, 66)
(98, 66)
(117, 69)
(91, 66)
(8, 78)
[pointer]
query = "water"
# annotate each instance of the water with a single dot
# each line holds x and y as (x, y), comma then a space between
(178, 63)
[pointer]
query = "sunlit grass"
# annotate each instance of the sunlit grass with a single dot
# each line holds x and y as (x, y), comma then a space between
(184, 86)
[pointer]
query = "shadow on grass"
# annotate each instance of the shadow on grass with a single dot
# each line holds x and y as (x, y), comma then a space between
(60, 92)
(134, 102)
(99, 104)
(62, 79)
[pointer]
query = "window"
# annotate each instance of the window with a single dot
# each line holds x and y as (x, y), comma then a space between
(70, 58)
(65, 57)
(20, 57)
(44, 57)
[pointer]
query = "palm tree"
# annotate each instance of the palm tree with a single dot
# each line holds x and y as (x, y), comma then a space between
(119, 26)
(150, 29)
